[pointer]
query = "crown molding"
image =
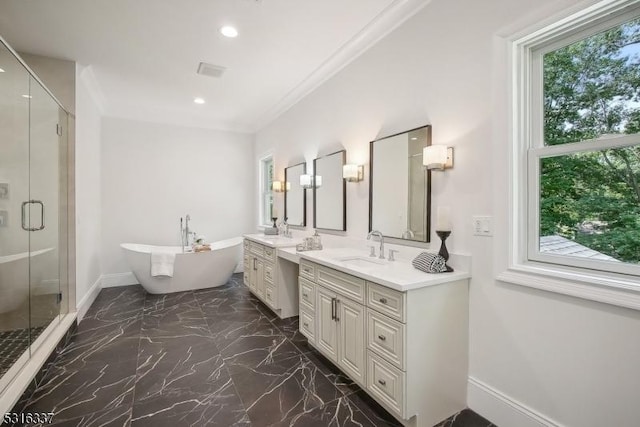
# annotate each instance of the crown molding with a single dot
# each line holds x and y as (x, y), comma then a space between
(384, 23)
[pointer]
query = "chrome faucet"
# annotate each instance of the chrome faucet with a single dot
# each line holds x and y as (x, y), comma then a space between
(381, 237)
(185, 234)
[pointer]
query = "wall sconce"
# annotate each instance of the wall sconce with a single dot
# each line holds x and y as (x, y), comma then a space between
(279, 186)
(306, 181)
(437, 157)
(353, 173)
(309, 181)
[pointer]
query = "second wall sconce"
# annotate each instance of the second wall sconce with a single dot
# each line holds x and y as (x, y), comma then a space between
(353, 173)
(309, 181)
(437, 157)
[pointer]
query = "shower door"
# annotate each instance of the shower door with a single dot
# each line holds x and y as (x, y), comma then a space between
(41, 210)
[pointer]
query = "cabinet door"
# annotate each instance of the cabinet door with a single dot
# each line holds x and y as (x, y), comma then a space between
(351, 347)
(326, 326)
(260, 278)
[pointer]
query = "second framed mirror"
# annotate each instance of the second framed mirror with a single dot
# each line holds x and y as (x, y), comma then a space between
(295, 198)
(329, 192)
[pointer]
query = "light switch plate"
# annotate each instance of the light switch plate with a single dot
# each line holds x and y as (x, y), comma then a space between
(4, 190)
(4, 219)
(482, 226)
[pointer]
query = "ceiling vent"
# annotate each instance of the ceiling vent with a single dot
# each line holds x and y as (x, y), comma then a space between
(211, 70)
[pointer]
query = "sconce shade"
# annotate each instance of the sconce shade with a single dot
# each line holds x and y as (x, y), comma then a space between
(435, 157)
(306, 181)
(277, 186)
(318, 181)
(353, 173)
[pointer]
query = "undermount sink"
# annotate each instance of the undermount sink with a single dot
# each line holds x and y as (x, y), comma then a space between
(360, 261)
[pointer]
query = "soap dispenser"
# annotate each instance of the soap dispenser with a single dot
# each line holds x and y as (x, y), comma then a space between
(317, 242)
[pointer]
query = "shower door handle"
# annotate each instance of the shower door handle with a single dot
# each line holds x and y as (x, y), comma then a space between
(24, 215)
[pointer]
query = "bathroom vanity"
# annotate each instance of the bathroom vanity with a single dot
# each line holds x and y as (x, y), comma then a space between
(399, 333)
(271, 279)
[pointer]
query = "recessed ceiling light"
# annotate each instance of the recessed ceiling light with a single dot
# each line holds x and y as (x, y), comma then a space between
(27, 96)
(229, 31)
(198, 100)
(1, 70)
(414, 138)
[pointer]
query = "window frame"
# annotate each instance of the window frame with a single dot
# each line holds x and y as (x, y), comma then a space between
(263, 190)
(526, 265)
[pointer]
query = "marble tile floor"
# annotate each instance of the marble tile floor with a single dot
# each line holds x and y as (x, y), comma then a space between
(213, 357)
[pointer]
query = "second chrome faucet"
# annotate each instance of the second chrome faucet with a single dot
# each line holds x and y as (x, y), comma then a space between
(381, 237)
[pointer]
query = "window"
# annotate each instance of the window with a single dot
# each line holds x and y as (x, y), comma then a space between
(576, 155)
(266, 190)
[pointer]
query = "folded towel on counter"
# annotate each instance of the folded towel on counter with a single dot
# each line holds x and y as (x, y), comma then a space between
(430, 263)
(162, 263)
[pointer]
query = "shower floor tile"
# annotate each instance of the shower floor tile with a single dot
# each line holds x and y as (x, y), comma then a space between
(211, 357)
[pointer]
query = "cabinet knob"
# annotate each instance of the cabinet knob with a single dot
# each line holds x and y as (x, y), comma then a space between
(382, 338)
(305, 295)
(382, 382)
(383, 300)
(306, 325)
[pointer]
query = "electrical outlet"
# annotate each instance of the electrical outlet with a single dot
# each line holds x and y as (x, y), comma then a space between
(4, 218)
(483, 226)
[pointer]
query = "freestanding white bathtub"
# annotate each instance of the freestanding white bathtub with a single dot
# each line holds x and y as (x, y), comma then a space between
(191, 270)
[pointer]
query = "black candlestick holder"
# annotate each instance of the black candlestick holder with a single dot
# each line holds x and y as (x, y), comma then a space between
(443, 252)
(274, 219)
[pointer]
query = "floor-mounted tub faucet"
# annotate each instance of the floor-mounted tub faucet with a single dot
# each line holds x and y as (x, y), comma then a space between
(381, 237)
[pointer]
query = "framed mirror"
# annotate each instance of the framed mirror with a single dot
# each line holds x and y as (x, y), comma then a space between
(400, 186)
(330, 192)
(295, 197)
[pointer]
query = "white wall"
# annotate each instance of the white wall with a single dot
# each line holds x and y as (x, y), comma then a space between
(572, 361)
(153, 174)
(88, 200)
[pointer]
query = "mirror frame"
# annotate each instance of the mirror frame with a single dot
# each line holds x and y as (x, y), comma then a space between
(344, 193)
(304, 195)
(427, 206)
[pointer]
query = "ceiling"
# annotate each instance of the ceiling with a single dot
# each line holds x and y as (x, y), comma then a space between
(143, 54)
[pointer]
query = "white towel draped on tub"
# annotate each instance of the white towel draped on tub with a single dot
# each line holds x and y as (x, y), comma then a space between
(162, 263)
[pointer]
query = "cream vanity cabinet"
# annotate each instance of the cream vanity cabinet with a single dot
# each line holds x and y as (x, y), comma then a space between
(271, 280)
(407, 349)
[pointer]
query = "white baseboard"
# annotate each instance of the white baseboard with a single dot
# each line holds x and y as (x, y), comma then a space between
(501, 409)
(88, 299)
(119, 279)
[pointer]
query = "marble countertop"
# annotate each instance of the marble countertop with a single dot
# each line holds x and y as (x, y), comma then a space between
(399, 275)
(273, 241)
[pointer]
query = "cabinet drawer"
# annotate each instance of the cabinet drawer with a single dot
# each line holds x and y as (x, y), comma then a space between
(270, 295)
(307, 324)
(348, 285)
(386, 382)
(308, 270)
(269, 254)
(386, 337)
(256, 249)
(386, 301)
(269, 272)
(307, 292)
(245, 244)
(247, 261)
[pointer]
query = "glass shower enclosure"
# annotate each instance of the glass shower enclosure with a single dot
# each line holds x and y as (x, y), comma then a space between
(33, 214)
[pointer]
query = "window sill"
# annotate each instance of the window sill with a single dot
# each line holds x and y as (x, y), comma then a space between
(614, 289)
